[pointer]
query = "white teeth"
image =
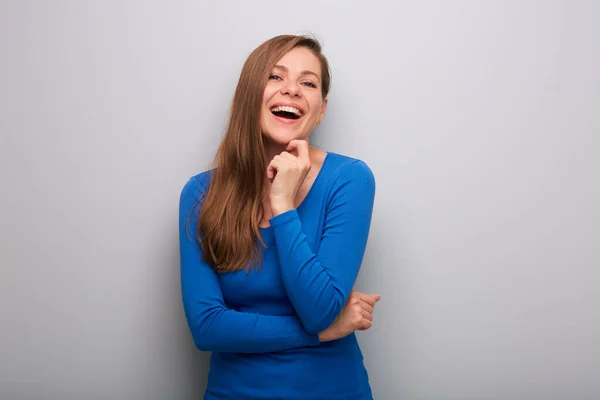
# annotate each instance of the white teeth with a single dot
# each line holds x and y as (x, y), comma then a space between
(287, 109)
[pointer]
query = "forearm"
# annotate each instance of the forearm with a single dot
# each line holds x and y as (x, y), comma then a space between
(216, 327)
(319, 284)
(316, 296)
(213, 325)
(224, 330)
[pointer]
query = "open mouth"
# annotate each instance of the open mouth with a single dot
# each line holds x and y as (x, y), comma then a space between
(286, 112)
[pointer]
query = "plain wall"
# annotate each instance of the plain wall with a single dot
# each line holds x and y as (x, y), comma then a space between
(480, 120)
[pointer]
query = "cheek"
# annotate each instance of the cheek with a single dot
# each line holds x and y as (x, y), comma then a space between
(269, 92)
(316, 105)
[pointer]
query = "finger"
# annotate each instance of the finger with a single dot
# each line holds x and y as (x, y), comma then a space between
(281, 163)
(303, 153)
(367, 315)
(366, 306)
(300, 147)
(273, 167)
(365, 325)
(288, 156)
(292, 147)
(370, 298)
(271, 171)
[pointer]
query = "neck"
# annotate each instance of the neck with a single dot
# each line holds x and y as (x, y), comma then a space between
(273, 149)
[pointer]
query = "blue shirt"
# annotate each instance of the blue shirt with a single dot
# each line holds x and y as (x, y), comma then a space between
(262, 326)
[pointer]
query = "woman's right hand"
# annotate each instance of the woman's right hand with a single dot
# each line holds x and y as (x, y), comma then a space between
(357, 314)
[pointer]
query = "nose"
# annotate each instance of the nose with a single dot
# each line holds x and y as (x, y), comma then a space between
(291, 88)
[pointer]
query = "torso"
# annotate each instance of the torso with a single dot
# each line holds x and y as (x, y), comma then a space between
(332, 370)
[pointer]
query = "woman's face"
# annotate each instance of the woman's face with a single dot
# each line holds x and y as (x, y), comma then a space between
(292, 101)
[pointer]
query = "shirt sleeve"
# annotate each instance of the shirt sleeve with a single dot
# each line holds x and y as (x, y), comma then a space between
(213, 326)
(318, 285)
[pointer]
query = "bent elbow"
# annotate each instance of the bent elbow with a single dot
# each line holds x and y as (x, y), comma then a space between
(315, 329)
(204, 343)
(203, 330)
(317, 319)
(317, 324)
(206, 339)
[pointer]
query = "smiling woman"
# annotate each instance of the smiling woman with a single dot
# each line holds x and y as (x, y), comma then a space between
(272, 240)
(293, 102)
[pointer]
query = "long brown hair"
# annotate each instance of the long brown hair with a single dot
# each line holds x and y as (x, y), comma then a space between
(229, 220)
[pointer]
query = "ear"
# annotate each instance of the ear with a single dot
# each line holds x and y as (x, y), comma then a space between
(323, 109)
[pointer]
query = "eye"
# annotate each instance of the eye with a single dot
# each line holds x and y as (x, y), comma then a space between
(276, 77)
(310, 84)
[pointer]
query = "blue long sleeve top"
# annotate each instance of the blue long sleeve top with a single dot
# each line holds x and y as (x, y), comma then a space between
(262, 325)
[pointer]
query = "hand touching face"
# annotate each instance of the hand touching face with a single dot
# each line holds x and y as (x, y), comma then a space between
(286, 172)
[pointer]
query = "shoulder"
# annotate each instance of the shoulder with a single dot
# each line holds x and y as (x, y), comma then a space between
(343, 169)
(195, 187)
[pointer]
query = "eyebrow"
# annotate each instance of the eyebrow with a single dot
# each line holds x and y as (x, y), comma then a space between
(305, 72)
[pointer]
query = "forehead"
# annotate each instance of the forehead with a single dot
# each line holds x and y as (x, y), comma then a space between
(301, 59)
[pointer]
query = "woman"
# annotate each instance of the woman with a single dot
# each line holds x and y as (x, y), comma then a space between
(272, 240)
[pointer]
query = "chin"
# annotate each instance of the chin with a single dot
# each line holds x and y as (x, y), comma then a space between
(281, 137)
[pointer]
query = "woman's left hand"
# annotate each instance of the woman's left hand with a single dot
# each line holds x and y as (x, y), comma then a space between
(287, 172)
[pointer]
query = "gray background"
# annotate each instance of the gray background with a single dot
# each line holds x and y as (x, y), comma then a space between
(480, 120)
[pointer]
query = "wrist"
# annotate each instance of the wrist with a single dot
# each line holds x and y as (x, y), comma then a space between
(278, 208)
(329, 334)
(325, 336)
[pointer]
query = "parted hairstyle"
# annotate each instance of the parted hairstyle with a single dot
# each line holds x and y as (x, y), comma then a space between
(228, 226)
